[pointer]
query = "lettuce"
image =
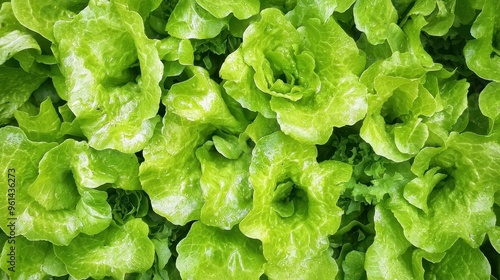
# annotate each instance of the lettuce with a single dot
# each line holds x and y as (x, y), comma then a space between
(293, 206)
(279, 139)
(288, 73)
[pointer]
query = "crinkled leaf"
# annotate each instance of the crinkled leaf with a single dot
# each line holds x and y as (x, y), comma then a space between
(439, 15)
(114, 252)
(22, 155)
(44, 127)
(241, 9)
(391, 256)
(199, 100)
(374, 24)
(417, 191)
(489, 103)
(40, 16)
(174, 193)
(413, 106)
(322, 266)
(32, 260)
(127, 205)
(190, 21)
(225, 186)
(374, 177)
(259, 128)
(481, 54)
(222, 254)
(240, 85)
(461, 262)
(17, 87)
(320, 9)
(14, 38)
(452, 101)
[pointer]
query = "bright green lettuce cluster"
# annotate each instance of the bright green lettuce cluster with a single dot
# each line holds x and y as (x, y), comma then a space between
(280, 139)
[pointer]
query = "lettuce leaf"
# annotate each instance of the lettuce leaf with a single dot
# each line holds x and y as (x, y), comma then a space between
(89, 255)
(226, 254)
(14, 37)
(481, 54)
(34, 259)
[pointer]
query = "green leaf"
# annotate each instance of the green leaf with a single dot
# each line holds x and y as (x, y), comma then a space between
(225, 186)
(227, 145)
(190, 21)
(494, 236)
(490, 105)
(241, 9)
(44, 127)
(41, 16)
(199, 100)
(461, 262)
(239, 84)
(21, 156)
(31, 260)
(221, 254)
(412, 106)
(451, 100)
(173, 49)
(115, 94)
(391, 256)
(439, 15)
(14, 37)
(320, 9)
(259, 128)
(417, 191)
(411, 137)
(17, 87)
(114, 252)
(481, 54)
(374, 25)
(174, 193)
(127, 205)
(293, 241)
(171, 152)
(463, 180)
(322, 266)
(353, 266)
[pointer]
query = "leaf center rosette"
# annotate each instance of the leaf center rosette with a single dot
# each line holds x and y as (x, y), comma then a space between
(286, 73)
